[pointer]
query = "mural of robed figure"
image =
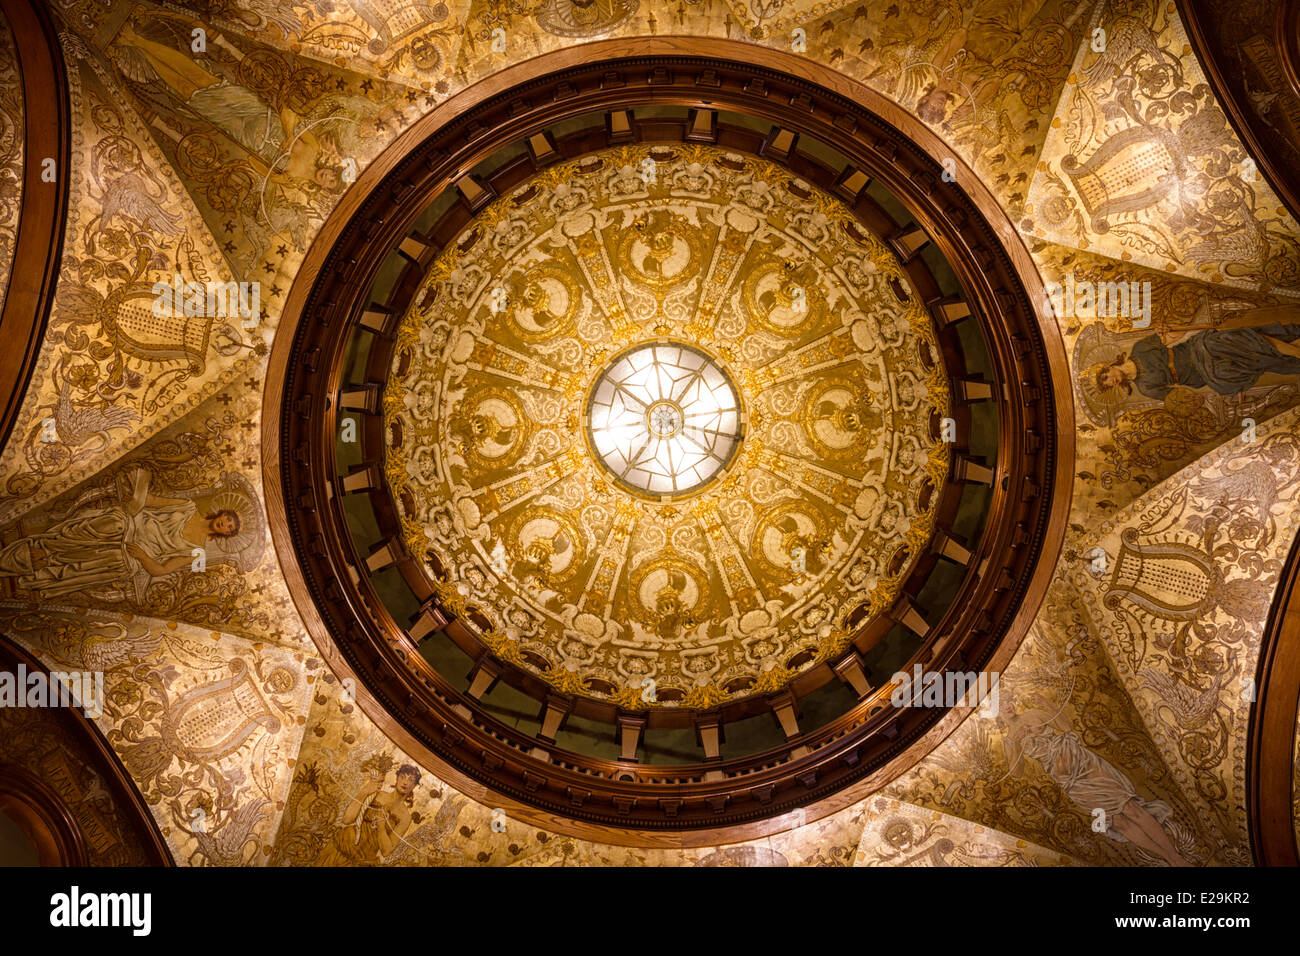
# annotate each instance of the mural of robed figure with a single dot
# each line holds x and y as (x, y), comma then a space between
(1228, 361)
(111, 550)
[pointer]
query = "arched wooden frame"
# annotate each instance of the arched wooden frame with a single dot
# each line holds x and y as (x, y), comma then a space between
(1217, 59)
(43, 813)
(1270, 755)
(660, 131)
(45, 818)
(1028, 516)
(39, 241)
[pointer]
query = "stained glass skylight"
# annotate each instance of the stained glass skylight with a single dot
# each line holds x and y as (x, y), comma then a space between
(664, 419)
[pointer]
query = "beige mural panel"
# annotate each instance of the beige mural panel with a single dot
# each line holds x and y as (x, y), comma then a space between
(265, 142)
(831, 841)
(1141, 163)
(899, 834)
(174, 529)
(1123, 326)
(357, 800)
(207, 172)
(498, 34)
(111, 371)
(411, 41)
(984, 76)
(1066, 762)
(205, 723)
(1179, 586)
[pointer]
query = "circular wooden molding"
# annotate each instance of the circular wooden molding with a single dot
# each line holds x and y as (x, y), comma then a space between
(675, 805)
(1271, 740)
(46, 819)
(38, 244)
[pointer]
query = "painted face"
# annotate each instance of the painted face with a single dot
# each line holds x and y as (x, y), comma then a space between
(405, 784)
(223, 524)
(1113, 377)
(933, 107)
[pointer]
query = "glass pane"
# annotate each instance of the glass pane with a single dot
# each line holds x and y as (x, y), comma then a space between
(664, 419)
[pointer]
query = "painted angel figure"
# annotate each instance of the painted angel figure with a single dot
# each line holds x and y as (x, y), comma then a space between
(114, 551)
(374, 822)
(1090, 781)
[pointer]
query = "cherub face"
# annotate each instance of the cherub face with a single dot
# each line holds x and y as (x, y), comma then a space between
(933, 107)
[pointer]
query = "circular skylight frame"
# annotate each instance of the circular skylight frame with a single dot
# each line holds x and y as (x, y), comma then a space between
(1029, 503)
(664, 420)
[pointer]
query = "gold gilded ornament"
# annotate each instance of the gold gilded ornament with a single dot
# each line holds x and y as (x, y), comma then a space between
(494, 455)
(491, 427)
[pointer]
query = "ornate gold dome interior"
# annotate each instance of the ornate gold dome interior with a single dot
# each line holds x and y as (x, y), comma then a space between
(573, 420)
(548, 302)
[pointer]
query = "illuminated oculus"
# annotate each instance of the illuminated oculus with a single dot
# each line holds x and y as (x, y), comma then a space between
(664, 419)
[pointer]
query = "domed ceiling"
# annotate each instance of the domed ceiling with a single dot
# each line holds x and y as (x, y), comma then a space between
(667, 425)
(1093, 143)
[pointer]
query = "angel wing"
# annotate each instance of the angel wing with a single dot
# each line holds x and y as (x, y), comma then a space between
(133, 64)
(104, 651)
(128, 195)
(972, 759)
(914, 79)
(426, 844)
